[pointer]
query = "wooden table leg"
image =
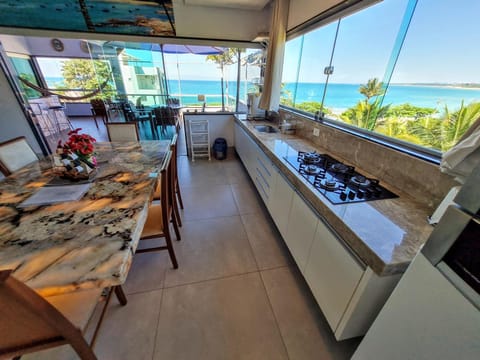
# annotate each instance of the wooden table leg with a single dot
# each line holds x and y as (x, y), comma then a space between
(120, 295)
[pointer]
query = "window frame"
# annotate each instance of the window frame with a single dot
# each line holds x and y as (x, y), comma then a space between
(321, 20)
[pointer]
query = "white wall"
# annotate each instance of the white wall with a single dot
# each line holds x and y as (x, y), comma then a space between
(16, 44)
(12, 120)
(219, 23)
(303, 10)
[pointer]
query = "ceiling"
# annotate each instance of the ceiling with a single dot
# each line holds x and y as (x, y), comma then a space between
(236, 4)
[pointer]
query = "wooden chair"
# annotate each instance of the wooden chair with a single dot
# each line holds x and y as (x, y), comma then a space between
(15, 154)
(125, 131)
(99, 108)
(177, 197)
(160, 215)
(31, 323)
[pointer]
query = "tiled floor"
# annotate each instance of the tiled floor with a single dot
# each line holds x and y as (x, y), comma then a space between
(236, 294)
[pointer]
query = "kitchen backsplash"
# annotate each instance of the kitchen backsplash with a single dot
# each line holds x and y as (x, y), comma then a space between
(419, 178)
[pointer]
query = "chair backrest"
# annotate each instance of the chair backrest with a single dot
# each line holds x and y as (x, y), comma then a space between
(30, 323)
(126, 131)
(165, 116)
(166, 188)
(98, 107)
(173, 148)
(15, 154)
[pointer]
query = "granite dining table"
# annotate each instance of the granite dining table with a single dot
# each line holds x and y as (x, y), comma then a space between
(82, 244)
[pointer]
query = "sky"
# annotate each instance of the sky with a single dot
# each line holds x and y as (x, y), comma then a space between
(441, 46)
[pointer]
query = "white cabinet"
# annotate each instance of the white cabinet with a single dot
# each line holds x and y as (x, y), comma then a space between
(245, 147)
(300, 231)
(426, 317)
(280, 202)
(349, 294)
(258, 165)
(332, 274)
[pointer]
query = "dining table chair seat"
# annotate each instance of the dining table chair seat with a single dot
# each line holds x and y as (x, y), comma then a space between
(15, 154)
(31, 323)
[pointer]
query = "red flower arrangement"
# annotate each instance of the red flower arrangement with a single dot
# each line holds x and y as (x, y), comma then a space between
(78, 144)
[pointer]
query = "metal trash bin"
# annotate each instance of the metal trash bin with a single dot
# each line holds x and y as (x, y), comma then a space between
(219, 149)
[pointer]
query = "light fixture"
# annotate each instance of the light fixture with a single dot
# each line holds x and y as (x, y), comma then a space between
(261, 37)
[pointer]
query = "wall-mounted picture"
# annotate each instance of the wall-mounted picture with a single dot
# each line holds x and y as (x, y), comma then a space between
(132, 17)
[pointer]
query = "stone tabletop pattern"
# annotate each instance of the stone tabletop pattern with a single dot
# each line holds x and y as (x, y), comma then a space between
(85, 243)
(385, 234)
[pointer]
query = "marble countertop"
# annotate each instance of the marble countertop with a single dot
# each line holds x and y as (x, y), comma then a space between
(86, 243)
(385, 234)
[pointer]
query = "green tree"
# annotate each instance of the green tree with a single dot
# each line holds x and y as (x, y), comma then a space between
(410, 111)
(87, 75)
(366, 113)
(444, 132)
(228, 57)
(372, 89)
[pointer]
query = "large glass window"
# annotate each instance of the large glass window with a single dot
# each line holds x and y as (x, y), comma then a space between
(405, 69)
(77, 77)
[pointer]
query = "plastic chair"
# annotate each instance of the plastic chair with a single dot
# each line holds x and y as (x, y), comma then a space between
(160, 215)
(15, 154)
(126, 131)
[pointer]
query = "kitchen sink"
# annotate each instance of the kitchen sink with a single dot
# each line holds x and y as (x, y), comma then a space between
(266, 128)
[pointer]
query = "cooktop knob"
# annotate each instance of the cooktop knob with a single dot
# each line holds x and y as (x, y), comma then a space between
(360, 194)
(343, 195)
(351, 195)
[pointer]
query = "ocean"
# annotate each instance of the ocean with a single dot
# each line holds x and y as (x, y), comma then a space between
(338, 97)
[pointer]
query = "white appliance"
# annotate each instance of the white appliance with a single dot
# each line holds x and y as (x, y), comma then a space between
(252, 104)
(434, 312)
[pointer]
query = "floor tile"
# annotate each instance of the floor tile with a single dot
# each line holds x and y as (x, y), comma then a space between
(305, 331)
(201, 173)
(147, 272)
(211, 249)
(247, 199)
(128, 332)
(236, 173)
(268, 246)
(203, 202)
(221, 319)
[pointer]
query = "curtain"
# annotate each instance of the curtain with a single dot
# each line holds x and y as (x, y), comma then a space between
(460, 160)
(270, 99)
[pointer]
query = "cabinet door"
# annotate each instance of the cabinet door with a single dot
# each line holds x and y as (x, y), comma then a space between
(280, 202)
(300, 231)
(332, 273)
(240, 142)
